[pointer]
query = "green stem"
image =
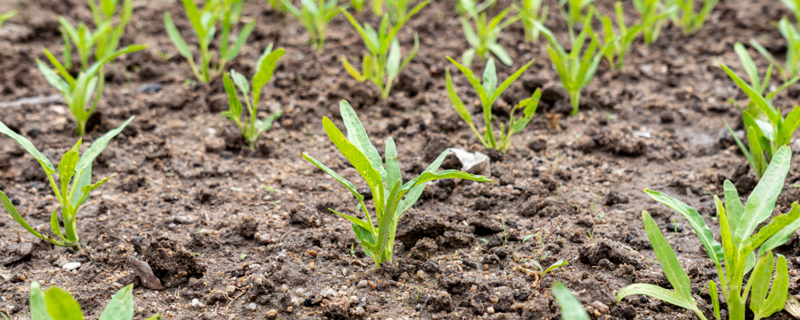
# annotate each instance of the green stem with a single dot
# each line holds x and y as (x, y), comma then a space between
(575, 100)
(81, 127)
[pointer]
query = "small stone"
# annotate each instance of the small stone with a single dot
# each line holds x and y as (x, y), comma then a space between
(15, 202)
(183, 219)
(172, 226)
(197, 304)
(421, 274)
(214, 144)
(362, 284)
(328, 293)
(251, 306)
(230, 289)
(264, 239)
(494, 299)
(150, 88)
(71, 266)
(117, 285)
(674, 227)
(284, 288)
(142, 270)
(271, 314)
(601, 307)
(490, 310)
(255, 266)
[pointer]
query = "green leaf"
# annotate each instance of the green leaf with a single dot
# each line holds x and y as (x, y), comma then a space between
(445, 174)
(12, 211)
(789, 126)
(489, 78)
(571, 308)
(195, 18)
(456, 100)
(392, 165)
(240, 40)
(393, 60)
(713, 248)
(52, 78)
(782, 236)
(507, 83)
(38, 303)
(775, 225)
(347, 184)
(234, 104)
(733, 205)
(767, 108)
(748, 64)
(501, 54)
(556, 265)
(744, 150)
(176, 38)
(99, 145)
(241, 82)
(712, 291)
(266, 124)
(761, 305)
(61, 305)
(761, 202)
(55, 226)
(415, 192)
(364, 235)
(657, 292)
(265, 69)
(29, 147)
(669, 263)
(473, 80)
(358, 137)
(357, 221)
(66, 169)
(121, 305)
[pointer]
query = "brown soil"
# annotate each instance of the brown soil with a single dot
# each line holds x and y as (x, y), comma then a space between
(188, 199)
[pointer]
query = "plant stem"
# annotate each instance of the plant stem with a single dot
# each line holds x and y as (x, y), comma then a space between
(575, 99)
(81, 127)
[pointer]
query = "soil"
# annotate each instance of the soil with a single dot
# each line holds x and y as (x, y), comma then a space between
(237, 234)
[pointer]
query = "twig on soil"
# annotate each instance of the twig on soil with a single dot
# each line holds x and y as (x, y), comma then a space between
(31, 101)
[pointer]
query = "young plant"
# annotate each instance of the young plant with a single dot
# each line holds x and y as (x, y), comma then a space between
(204, 23)
(575, 71)
(314, 16)
(72, 167)
(571, 308)
(382, 65)
(6, 16)
(384, 181)
(397, 9)
(691, 20)
(483, 37)
(653, 16)
(758, 85)
(251, 128)
(624, 38)
(86, 88)
(529, 11)
(489, 92)
(358, 5)
(541, 272)
(277, 6)
(765, 137)
(741, 250)
(790, 69)
(58, 304)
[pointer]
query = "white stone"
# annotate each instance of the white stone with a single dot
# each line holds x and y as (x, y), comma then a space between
(71, 266)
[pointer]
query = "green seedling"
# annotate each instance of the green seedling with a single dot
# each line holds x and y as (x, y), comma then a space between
(574, 70)
(759, 85)
(314, 16)
(794, 6)
(396, 9)
(489, 92)
(251, 128)
(571, 308)
(204, 23)
(765, 137)
(624, 37)
(741, 250)
(541, 272)
(653, 15)
(384, 181)
(358, 5)
(483, 37)
(57, 304)
(789, 69)
(691, 20)
(103, 15)
(72, 167)
(529, 11)
(86, 88)
(6, 16)
(277, 6)
(574, 13)
(382, 65)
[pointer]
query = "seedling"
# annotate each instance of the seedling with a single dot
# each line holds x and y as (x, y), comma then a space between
(358, 5)
(489, 92)
(103, 15)
(204, 23)
(575, 71)
(571, 308)
(58, 304)
(277, 6)
(759, 85)
(741, 250)
(396, 9)
(765, 137)
(483, 37)
(384, 181)
(542, 271)
(529, 11)
(251, 128)
(691, 20)
(6, 16)
(72, 167)
(382, 65)
(314, 16)
(790, 68)
(653, 16)
(624, 37)
(86, 88)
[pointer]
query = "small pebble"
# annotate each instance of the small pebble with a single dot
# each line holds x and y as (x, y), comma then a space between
(172, 226)
(674, 227)
(197, 304)
(15, 202)
(150, 88)
(272, 313)
(490, 310)
(255, 266)
(251, 306)
(601, 307)
(284, 288)
(71, 266)
(362, 284)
